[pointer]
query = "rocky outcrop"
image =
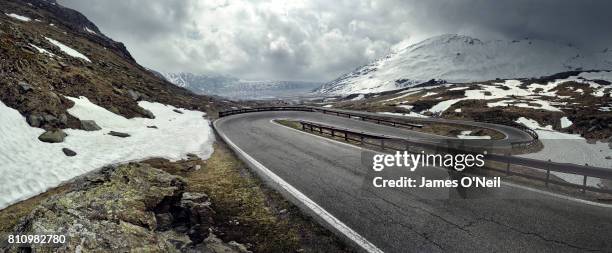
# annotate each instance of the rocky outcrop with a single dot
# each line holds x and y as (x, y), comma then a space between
(132, 207)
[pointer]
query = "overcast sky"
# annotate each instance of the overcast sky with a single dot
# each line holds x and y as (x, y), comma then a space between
(321, 39)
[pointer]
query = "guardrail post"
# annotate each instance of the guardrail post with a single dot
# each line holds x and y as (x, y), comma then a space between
(346, 136)
(547, 177)
(584, 184)
(333, 132)
(303, 126)
(361, 139)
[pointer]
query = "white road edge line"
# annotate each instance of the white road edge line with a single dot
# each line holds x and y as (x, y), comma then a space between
(527, 188)
(322, 213)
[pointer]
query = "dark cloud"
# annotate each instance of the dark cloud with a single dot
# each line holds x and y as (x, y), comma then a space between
(321, 39)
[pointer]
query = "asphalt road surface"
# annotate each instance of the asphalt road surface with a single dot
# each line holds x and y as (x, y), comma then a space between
(330, 173)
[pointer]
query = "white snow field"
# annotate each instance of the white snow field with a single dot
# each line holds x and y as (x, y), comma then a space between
(30, 167)
(568, 148)
(68, 50)
(18, 17)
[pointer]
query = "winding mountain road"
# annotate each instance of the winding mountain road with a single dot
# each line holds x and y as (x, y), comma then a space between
(332, 175)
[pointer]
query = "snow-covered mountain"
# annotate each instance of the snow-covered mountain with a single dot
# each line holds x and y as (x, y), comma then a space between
(458, 58)
(236, 88)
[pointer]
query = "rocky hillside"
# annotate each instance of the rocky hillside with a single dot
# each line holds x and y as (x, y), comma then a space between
(133, 207)
(49, 52)
(573, 102)
(457, 58)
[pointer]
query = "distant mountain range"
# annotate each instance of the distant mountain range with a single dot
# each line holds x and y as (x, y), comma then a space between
(235, 88)
(458, 58)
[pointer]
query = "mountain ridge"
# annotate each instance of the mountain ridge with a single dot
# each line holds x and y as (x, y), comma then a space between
(236, 88)
(460, 58)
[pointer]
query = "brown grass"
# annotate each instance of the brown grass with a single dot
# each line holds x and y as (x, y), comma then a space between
(252, 213)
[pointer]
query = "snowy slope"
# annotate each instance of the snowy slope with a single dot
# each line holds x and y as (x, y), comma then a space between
(30, 167)
(457, 58)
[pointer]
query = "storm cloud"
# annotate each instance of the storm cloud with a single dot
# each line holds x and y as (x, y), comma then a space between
(319, 40)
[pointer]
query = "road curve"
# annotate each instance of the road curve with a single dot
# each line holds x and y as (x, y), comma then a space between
(396, 220)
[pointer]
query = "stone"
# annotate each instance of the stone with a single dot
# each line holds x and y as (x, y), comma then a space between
(90, 125)
(192, 157)
(49, 118)
(177, 111)
(608, 157)
(117, 91)
(214, 244)
(68, 152)
(53, 136)
(119, 134)
(239, 247)
(148, 114)
(54, 97)
(25, 87)
(35, 120)
(135, 95)
(164, 221)
(63, 118)
(154, 127)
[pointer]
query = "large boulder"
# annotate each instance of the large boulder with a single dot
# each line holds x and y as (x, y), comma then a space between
(90, 125)
(53, 136)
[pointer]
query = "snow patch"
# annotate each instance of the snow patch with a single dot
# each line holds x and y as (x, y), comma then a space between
(18, 17)
(565, 122)
(68, 50)
(30, 167)
(89, 30)
(358, 97)
(410, 114)
(466, 135)
(407, 107)
(42, 50)
(570, 148)
(532, 124)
